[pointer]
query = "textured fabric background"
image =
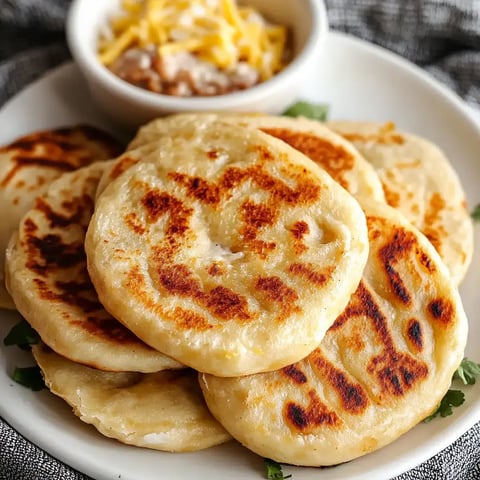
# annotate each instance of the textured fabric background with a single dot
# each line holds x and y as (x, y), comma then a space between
(443, 36)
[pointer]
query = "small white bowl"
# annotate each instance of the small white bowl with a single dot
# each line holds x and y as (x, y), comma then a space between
(130, 106)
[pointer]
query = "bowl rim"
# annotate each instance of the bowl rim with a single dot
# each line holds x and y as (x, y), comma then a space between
(91, 67)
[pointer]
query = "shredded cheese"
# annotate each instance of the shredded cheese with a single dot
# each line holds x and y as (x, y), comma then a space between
(217, 31)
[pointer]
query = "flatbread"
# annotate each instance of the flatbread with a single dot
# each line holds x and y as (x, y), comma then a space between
(48, 279)
(162, 411)
(148, 136)
(382, 367)
(226, 249)
(420, 182)
(326, 148)
(154, 130)
(31, 162)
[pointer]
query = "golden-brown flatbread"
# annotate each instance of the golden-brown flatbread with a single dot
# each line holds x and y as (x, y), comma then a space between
(48, 279)
(31, 162)
(383, 366)
(326, 148)
(420, 182)
(162, 411)
(226, 249)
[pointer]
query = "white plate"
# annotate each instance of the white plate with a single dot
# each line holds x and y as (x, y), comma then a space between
(359, 81)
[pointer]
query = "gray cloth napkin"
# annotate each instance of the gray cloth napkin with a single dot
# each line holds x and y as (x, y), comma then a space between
(443, 36)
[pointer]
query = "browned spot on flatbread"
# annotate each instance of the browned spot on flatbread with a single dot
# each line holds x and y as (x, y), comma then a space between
(212, 154)
(187, 320)
(158, 203)
(120, 166)
(265, 155)
(409, 164)
(426, 261)
(386, 135)
(220, 301)
(398, 248)
(79, 208)
(261, 247)
(415, 334)
(44, 162)
(109, 329)
(198, 188)
(63, 149)
(396, 372)
(299, 230)
(432, 222)
(74, 294)
(307, 418)
(216, 269)
(134, 223)
(257, 216)
(254, 218)
(226, 304)
(335, 159)
(442, 311)
(276, 291)
(351, 394)
(178, 280)
(50, 252)
(310, 273)
(66, 139)
(306, 191)
(294, 373)
(355, 341)
(392, 197)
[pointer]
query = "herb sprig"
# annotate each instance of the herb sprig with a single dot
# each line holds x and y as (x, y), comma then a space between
(22, 335)
(309, 110)
(30, 377)
(467, 373)
(476, 212)
(274, 470)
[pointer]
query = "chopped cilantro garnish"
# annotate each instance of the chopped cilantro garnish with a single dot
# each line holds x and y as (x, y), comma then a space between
(22, 334)
(308, 110)
(453, 398)
(29, 377)
(467, 372)
(476, 212)
(274, 470)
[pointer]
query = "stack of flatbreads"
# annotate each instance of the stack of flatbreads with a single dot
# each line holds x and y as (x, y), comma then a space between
(288, 283)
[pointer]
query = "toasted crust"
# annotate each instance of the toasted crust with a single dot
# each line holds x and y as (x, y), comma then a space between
(383, 366)
(326, 148)
(420, 182)
(30, 163)
(48, 279)
(162, 411)
(226, 249)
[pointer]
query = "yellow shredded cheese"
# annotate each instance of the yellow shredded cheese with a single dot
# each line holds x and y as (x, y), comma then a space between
(217, 31)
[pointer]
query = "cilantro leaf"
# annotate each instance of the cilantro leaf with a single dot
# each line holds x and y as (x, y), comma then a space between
(467, 372)
(274, 470)
(30, 377)
(476, 212)
(309, 110)
(22, 334)
(453, 398)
